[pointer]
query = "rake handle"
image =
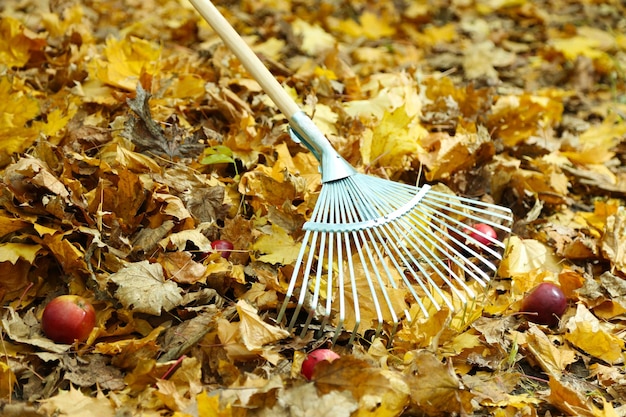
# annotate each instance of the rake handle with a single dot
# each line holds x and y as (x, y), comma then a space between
(247, 57)
(333, 166)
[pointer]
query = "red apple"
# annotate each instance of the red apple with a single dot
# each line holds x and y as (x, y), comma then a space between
(68, 318)
(314, 358)
(482, 232)
(545, 304)
(224, 247)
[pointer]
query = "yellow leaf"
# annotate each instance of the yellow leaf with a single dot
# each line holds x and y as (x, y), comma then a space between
(552, 359)
(187, 86)
(76, 404)
(569, 400)
(576, 46)
(209, 406)
(55, 122)
(489, 6)
(125, 60)
(10, 225)
(7, 381)
(450, 154)
(17, 42)
(432, 35)
(11, 252)
(380, 392)
(540, 111)
(255, 333)
(524, 256)
(395, 142)
(313, 37)
(370, 26)
(17, 109)
(596, 145)
(277, 247)
(586, 332)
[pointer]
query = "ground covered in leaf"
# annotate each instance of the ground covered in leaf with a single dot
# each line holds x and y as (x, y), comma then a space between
(130, 138)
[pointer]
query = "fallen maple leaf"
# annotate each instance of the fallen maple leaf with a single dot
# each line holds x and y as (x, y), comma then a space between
(73, 403)
(276, 248)
(142, 288)
(586, 332)
(434, 386)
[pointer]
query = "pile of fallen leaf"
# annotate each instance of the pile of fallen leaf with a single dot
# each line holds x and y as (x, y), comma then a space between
(130, 138)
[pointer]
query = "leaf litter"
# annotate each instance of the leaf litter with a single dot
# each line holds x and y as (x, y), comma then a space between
(131, 138)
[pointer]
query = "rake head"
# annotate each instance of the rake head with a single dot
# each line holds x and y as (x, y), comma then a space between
(373, 247)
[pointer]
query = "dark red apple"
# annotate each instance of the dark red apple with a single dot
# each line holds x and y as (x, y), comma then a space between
(224, 247)
(482, 232)
(68, 318)
(545, 304)
(314, 358)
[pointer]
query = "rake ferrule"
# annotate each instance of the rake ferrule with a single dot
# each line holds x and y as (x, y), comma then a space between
(332, 165)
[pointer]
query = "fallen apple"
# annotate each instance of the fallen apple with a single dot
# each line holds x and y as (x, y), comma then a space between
(315, 357)
(224, 247)
(68, 318)
(482, 232)
(545, 304)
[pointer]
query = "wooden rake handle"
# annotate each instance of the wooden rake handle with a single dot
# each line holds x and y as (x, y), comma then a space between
(247, 57)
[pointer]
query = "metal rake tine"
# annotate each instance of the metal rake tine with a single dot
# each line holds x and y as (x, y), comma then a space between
(359, 235)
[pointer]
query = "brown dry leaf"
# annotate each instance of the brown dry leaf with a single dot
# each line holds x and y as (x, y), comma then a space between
(69, 255)
(10, 224)
(612, 302)
(480, 60)
(27, 330)
(443, 154)
(613, 241)
(435, 388)
(254, 332)
(379, 392)
(142, 288)
(272, 187)
(251, 336)
(513, 127)
(495, 391)
(304, 401)
(180, 267)
(184, 384)
(566, 398)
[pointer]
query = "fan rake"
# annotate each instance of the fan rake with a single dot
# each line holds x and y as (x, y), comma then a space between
(372, 243)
